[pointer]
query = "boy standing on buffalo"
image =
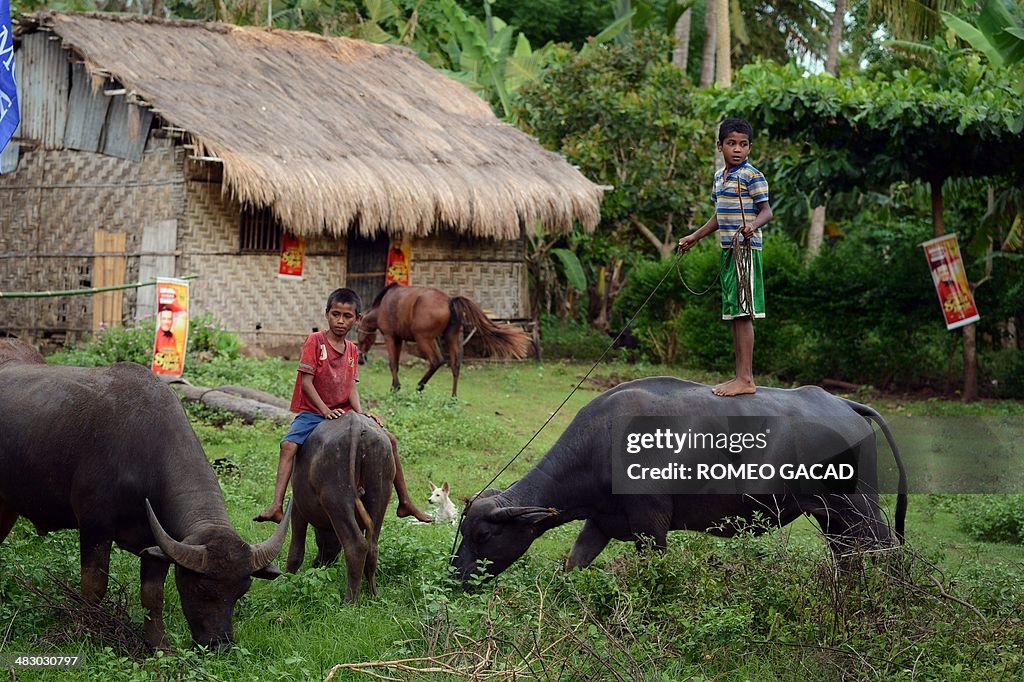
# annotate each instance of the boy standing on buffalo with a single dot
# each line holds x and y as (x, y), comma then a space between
(740, 194)
(325, 388)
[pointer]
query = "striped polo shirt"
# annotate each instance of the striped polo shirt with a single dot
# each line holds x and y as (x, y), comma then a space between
(753, 189)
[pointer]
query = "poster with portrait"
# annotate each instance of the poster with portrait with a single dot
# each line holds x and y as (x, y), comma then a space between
(399, 263)
(950, 280)
(293, 253)
(171, 326)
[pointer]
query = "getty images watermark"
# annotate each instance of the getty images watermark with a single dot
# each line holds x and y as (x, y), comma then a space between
(752, 455)
(840, 454)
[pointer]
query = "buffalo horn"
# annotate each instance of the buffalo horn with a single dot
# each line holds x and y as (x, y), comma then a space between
(265, 552)
(192, 557)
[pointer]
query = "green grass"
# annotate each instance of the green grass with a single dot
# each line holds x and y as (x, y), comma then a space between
(749, 608)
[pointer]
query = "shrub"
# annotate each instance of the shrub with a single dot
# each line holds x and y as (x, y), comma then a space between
(571, 339)
(206, 335)
(131, 343)
(993, 518)
(134, 343)
(1003, 372)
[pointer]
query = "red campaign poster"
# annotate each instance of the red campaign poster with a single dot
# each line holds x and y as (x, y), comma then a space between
(950, 280)
(399, 263)
(293, 251)
(171, 326)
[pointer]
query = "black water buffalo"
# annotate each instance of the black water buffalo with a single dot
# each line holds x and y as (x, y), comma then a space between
(574, 480)
(16, 350)
(110, 451)
(342, 485)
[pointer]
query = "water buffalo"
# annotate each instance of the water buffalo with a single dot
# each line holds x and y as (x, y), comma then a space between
(16, 350)
(574, 480)
(110, 451)
(342, 485)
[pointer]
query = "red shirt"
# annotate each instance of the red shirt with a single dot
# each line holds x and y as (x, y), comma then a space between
(334, 374)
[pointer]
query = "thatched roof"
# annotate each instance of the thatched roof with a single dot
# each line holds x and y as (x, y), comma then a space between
(335, 133)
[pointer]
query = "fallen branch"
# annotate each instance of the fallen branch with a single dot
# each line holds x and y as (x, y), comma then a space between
(223, 398)
(406, 665)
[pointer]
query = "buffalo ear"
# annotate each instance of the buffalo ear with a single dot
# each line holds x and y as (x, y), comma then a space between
(155, 553)
(267, 572)
(527, 515)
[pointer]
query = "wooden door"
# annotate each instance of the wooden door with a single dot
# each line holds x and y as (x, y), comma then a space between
(367, 266)
(108, 270)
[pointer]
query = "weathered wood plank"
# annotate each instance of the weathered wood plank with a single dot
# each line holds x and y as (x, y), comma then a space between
(108, 271)
(159, 240)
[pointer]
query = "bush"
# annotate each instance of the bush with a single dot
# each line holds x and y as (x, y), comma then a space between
(134, 343)
(993, 518)
(571, 339)
(1003, 372)
(206, 335)
(677, 325)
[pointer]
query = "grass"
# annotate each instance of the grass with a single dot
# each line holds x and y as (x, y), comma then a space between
(765, 607)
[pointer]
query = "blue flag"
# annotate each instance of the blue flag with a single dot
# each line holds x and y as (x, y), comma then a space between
(8, 92)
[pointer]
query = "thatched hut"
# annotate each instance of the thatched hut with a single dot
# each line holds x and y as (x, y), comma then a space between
(152, 147)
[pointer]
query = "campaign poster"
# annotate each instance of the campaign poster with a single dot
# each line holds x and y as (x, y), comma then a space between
(293, 253)
(950, 280)
(171, 326)
(399, 263)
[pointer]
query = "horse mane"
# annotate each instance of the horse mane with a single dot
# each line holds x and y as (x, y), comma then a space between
(379, 297)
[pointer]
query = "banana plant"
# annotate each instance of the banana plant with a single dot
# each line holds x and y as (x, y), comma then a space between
(999, 33)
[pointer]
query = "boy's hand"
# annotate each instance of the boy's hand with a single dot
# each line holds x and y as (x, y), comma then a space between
(687, 242)
(748, 231)
(374, 418)
(333, 414)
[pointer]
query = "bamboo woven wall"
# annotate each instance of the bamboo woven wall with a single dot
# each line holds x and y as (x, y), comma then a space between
(492, 273)
(243, 291)
(53, 204)
(58, 199)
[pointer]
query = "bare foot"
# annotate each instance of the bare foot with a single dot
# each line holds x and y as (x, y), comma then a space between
(409, 509)
(274, 514)
(735, 387)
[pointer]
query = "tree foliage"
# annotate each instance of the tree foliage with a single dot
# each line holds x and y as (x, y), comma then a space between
(627, 118)
(960, 119)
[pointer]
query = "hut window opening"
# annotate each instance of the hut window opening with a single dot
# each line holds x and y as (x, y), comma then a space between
(259, 231)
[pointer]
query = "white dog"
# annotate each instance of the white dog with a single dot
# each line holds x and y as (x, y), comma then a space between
(445, 511)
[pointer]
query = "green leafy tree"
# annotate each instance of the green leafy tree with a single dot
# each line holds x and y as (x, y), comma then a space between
(626, 116)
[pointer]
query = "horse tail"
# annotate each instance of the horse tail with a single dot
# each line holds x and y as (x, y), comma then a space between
(504, 341)
(901, 497)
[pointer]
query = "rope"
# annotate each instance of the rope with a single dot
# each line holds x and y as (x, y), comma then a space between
(744, 294)
(743, 263)
(625, 328)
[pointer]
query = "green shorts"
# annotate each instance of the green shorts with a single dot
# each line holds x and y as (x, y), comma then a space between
(730, 287)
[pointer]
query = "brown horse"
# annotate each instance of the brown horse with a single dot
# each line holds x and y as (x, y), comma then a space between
(430, 318)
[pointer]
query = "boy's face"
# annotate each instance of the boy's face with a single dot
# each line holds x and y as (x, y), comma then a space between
(735, 148)
(340, 318)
